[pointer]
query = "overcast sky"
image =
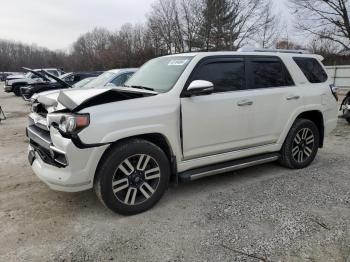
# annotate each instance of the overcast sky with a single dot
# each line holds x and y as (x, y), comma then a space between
(57, 24)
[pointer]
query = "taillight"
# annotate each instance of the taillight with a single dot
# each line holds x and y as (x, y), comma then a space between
(334, 90)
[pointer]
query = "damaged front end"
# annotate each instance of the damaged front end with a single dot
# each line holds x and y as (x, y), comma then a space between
(58, 115)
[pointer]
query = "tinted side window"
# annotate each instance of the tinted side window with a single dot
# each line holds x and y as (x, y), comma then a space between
(311, 69)
(267, 73)
(226, 76)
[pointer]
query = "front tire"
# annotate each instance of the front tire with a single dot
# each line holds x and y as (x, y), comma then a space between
(301, 145)
(133, 177)
(17, 90)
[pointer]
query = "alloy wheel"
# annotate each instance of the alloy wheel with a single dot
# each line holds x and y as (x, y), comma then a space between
(303, 145)
(136, 179)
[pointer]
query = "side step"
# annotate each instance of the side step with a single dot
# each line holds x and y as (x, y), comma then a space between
(232, 165)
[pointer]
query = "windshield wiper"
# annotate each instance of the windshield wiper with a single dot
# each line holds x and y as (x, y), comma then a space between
(141, 87)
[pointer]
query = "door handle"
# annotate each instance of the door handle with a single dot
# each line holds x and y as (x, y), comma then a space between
(293, 97)
(245, 103)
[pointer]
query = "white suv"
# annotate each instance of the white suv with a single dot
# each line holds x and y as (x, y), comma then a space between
(182, 117)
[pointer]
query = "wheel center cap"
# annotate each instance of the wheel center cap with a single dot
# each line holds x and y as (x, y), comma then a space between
(136, 178)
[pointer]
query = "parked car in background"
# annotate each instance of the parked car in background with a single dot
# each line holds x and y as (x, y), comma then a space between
(185, 117)
(83, 82)
(76, 85)
(111, 78)
(74, 77)
(345, 107)
(50, 83)
(14, 83)
(4, 75)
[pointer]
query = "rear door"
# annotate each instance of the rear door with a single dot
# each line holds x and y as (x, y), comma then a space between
(274, 96)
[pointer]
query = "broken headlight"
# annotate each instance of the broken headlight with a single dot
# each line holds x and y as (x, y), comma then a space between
(68, 123)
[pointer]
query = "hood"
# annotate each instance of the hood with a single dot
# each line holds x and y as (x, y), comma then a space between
(51, 94)
(75, 100)
(38, 74)
(59, 80)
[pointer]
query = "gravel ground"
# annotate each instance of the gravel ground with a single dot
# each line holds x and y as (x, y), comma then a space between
(264, 213)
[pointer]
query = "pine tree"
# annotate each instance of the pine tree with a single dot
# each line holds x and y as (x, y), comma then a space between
(216, 30)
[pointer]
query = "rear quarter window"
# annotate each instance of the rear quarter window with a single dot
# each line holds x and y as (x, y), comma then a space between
(312, 69)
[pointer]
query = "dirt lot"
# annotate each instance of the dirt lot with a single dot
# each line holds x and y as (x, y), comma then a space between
(265, 213)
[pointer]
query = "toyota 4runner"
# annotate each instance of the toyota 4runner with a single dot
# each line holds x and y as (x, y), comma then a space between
(182, 117)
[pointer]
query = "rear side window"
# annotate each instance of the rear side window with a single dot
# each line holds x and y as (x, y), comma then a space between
(225, 75)
(266, 73)
(311, 69)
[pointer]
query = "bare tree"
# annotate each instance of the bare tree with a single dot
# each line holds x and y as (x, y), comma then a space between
(162, 22)
(191, 20)
(270, 30)
(326, 19)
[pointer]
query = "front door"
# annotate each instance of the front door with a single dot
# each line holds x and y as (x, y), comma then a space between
(218, 122)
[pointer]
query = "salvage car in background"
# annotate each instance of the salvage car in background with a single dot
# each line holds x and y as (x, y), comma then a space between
(83, 82)
(111, 78)
(80, 84)
(74, 77)
(4, 75)
(345, 107)
(49, 83)
(14, 83)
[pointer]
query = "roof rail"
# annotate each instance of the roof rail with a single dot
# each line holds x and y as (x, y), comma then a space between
(291, 51)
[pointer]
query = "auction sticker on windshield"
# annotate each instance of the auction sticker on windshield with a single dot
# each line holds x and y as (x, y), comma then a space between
(178, 62)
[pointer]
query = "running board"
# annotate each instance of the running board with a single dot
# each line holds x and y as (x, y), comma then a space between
(232, 165)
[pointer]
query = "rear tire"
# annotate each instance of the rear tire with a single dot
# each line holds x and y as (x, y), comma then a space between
(132, 177)
(301, 145)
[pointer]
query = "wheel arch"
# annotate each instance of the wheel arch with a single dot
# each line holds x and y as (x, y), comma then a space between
(19, 84)
(155, 138)
(315, 116)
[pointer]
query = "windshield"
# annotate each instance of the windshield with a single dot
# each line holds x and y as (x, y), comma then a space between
(160, 73)
(101, 80)
(83, 82)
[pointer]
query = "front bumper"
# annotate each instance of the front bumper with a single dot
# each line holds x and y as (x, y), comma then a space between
(8, 88)
(59, 163)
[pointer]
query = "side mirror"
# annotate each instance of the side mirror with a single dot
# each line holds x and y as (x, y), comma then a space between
(110, 85)
(200, 87)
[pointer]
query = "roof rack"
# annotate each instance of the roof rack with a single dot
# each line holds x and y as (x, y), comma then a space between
(291, 51)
